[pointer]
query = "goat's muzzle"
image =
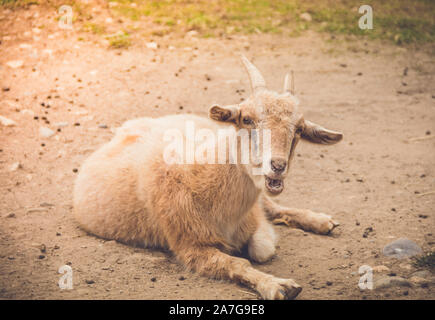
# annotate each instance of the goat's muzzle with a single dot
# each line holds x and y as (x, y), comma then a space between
(274, 186)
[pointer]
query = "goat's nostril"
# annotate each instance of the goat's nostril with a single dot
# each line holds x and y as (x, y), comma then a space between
(278, 165)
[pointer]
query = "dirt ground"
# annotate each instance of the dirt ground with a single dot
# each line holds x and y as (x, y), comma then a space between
(379, 95)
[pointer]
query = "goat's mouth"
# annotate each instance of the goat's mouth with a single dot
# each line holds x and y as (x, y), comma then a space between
(274, 186)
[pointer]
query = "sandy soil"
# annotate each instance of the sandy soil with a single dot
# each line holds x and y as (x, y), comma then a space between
(379, 95)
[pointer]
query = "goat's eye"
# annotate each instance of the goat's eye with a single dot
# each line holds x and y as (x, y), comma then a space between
(247, 121)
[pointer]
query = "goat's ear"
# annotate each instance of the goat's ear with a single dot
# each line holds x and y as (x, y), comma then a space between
(317, 134)
(225, 114)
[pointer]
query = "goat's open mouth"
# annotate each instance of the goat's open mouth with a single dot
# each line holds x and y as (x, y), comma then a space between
(274, 186)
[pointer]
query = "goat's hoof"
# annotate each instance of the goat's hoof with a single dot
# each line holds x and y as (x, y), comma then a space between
(328, 225)
(279, 289)
(321, 223)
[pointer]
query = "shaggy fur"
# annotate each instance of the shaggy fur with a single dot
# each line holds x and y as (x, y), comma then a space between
(201, 212)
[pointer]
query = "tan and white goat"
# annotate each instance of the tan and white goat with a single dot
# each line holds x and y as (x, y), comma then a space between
(202, 212)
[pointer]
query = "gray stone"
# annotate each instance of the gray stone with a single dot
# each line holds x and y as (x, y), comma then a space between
(425, 274)
(402, 248)
(388, 282)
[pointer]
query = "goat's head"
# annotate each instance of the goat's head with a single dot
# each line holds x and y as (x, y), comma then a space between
(279, 113)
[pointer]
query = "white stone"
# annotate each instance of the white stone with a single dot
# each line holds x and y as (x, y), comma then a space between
(81, 112)
(15, 166)
(192, 33)
(46, 132)
(61, 124)
(12, 105)
(27, 112)
(48, 51)
(15, 64)
(152, 45)
(7, 122)
(25, 46)
(306, 17)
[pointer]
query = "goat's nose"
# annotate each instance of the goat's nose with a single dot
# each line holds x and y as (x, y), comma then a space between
(278, 165)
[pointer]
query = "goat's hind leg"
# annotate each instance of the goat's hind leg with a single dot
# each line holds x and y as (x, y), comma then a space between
(300, 218)
(211, 262)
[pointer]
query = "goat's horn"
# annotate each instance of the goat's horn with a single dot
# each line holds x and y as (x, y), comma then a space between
(257, 80)
(289, 86)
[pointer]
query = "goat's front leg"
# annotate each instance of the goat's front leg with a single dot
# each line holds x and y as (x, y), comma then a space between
(211, 262)
(299, 218)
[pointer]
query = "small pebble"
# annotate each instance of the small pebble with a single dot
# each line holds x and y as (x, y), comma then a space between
(7, 122)
(367, 231)
(46, 132)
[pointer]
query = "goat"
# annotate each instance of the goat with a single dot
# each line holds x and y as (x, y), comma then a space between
(202, 212)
